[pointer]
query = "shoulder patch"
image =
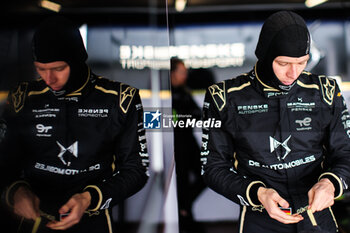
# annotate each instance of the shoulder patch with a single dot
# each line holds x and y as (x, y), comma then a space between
(18, 96)
(218, 93)
(328, 89)
(126, 95)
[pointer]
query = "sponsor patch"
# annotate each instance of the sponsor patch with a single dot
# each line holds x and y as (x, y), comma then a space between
(43, 131)
(328, 89)
(275, 94)
(96, 112)
(65, 171)
(285, 165)
(217, 92)
(304, 124)
(252, 109)
(18, 97)
(73, 149)
(274, 144)
(126, 95)
(46, 112)
(301, 107)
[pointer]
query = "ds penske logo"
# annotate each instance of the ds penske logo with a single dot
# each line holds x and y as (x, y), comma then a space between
(274, 144)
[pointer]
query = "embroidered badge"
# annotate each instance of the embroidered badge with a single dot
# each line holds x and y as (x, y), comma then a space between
(328, 89)
(18, 96)
(126, 95)
(217, 92)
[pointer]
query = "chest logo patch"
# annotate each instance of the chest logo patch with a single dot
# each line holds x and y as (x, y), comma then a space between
(73, 149)
(274, 144)
(43, 131)
(304, 124)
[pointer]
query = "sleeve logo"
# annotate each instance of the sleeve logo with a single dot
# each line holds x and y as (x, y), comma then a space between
(126, 96)
(328, 89)
(217, 92)
(18, 97)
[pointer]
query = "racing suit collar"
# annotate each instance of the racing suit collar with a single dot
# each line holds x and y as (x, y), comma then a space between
(268, 91)
(80, 88)
(268, 77)
(77, 81)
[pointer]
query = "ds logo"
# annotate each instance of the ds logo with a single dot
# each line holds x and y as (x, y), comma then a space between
(152, 120)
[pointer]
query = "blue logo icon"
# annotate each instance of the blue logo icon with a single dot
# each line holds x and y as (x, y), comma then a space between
(152, 120)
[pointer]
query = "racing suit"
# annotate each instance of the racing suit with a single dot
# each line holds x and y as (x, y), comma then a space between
(89, 140)
(285, 140)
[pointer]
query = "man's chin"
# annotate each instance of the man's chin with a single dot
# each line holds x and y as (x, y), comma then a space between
(56, 88)
(287, 83)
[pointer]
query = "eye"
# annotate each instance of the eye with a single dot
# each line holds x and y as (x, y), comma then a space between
(282, 63)
(60, 68)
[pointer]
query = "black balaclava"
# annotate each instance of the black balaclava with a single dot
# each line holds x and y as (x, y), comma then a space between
(58, 39)
(283, 34)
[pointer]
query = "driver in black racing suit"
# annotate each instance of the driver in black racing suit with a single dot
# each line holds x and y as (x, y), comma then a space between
(283, 149)
(74, 142)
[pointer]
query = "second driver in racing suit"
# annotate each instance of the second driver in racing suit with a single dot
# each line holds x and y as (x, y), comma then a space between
(283, 149)
(74, 144)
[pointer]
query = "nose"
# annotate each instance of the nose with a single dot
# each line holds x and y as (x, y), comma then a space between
(293, 71)
(49, 78)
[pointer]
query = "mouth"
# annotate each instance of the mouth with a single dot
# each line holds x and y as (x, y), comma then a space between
(55, 88)
(289, 81)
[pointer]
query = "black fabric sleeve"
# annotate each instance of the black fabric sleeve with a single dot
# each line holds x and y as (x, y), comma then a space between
(218, 155)
(11, 154)
(131, 160)
(338, 145)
